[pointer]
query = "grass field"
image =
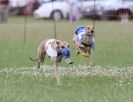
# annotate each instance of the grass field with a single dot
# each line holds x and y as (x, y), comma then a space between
(113, 54)
(113, 41)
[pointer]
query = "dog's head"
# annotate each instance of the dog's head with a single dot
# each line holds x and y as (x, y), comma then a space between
(87, 38)
(62, 48)
(89, 29)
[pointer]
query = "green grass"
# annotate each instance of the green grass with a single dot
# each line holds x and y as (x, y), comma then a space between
(113, 41)
(18, 88)
(113, 48)
(22, 87)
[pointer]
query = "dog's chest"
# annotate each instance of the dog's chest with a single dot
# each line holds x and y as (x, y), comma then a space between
(49, 50)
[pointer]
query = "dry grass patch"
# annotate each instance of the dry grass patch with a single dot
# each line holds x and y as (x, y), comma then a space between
(73, 71)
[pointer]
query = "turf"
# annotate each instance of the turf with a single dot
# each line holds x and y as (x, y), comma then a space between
(20, 37)
(19, 40)
(18, 88)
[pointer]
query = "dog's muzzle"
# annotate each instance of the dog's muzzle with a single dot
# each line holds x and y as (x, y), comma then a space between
(65, 52)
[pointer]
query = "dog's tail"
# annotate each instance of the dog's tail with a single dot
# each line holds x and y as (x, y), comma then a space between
(32, 59)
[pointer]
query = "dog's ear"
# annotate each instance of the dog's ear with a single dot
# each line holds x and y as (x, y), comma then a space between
(55, 44)
(65, 43)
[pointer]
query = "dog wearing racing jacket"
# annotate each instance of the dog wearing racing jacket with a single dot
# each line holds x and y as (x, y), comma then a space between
(56, 50)
(84, 41)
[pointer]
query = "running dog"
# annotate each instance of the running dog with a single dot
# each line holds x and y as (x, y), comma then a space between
(56, 50)
(84, 41)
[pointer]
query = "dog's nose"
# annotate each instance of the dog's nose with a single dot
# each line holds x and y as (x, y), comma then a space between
(62, 47)
(92, 31)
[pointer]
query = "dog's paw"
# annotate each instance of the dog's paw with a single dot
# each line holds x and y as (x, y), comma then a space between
(71, 62)
(77, 53)
(85, 54)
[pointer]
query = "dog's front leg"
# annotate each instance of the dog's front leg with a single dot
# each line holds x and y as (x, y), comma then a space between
(56, 71)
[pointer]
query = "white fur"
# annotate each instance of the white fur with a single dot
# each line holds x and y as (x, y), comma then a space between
(49, 50)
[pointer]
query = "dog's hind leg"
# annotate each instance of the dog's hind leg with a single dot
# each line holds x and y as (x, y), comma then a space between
(41, 54)
(90, 56)
(41, 58)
